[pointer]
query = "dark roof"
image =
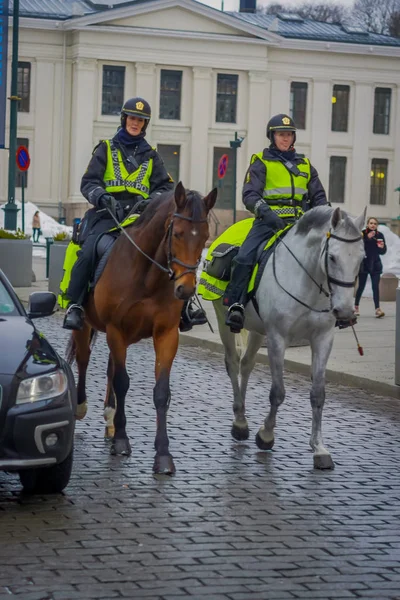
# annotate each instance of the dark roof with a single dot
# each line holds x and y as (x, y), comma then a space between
(65, 9)
(308, 29)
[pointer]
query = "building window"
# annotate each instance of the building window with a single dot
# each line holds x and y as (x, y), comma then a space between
(225, 186)
(113, 90)
(170, 155)
(340, 107)
(298, 103)
(170, 94)
(337, 178)
(24, 86)
(383, 98)
(19, 175)
(227, 89)
(379, 168)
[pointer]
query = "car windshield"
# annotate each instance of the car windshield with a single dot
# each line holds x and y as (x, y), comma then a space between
(7, 306)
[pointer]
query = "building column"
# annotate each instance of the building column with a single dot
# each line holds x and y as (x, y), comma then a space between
(320, 127)
(83, 115)
(363, 119)
(395, 208)
(201, 111)
(44, 150)
(257, 114)
(146, 88)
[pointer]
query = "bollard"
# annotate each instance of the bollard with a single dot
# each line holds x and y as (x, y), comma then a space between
(49, 241)
(397, 348)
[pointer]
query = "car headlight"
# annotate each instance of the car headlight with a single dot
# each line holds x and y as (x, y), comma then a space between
(42, 387)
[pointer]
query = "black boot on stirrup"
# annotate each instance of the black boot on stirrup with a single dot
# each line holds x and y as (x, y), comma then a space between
(235, 318)
(190, 316)
(74, 318)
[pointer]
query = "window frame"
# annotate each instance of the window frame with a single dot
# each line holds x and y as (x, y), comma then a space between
(344, 88)
(177, 93)
(302, 125)
(386, 118)
(344, 179)
(22, 66)
(218, 95)
(172, 145)
(378, 190)
(118, 68)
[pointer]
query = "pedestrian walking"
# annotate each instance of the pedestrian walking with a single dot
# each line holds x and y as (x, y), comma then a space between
(375, 246)
(36, 227)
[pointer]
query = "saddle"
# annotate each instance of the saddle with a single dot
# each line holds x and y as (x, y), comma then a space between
(216, 272)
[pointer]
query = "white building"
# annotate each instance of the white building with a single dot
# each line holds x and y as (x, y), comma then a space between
(207, 74)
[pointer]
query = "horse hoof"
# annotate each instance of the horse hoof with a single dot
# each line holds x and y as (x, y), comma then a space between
(81, 411)
(240, 433)
(109, 433)
(264, 445)
(120, 447)
(323, 462)
(164, 465)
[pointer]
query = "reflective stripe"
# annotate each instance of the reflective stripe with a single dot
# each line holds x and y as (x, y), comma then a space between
(284, 191)
(287, 211)
(117, 178)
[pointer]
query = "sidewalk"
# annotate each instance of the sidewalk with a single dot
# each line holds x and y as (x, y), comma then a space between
(374, 371)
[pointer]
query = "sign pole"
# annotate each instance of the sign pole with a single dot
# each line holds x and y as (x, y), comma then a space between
(10, 209)
(235, 144)
(23, 177)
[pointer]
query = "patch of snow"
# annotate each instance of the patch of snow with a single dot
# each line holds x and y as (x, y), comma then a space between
(49, 226)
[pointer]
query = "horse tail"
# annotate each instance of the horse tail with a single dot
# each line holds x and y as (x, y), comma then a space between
(241, 342)
(93, 338)
(70, 350)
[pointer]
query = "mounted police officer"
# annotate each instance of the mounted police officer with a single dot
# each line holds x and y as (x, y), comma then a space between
(279, 186)
(123, 175)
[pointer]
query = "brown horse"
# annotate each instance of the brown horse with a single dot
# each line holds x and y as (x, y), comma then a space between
(140, 294)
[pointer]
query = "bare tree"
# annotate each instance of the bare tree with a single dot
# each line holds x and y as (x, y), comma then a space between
(394, 24)
(327, 13)
(375, 15)
(274, 9)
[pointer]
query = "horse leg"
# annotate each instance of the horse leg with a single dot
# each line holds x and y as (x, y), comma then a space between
(166, 346)
(240, 428)
(276, 352)
(321, 349)
(120, 383)
(109, 402)
(82, 357)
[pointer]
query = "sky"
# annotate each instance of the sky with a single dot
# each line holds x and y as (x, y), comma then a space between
(234, 4)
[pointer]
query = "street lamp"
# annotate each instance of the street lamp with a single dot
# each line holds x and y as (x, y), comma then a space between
(10, 209)
(235, 144)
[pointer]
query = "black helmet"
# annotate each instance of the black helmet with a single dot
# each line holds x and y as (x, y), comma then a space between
(280, 123)
(136, 107)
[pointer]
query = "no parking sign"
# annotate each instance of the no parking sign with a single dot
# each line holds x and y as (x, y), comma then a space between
(23, 159)
(222, 166)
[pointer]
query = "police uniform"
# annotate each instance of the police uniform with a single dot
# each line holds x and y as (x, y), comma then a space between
(278, 188)
(123, 173)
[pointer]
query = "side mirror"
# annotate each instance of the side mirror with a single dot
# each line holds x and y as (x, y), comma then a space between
(41, 304)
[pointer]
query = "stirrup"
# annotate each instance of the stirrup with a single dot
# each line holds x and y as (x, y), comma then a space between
(74, 317)
(235, 317)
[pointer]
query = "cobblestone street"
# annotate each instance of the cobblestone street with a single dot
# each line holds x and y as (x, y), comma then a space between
(234, 523)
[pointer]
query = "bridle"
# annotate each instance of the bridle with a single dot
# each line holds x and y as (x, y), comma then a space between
(190, 269)
(331, 280)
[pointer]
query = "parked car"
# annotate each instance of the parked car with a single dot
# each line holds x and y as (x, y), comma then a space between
(37, 396)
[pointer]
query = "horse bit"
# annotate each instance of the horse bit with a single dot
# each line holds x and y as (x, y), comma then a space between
(331, 280)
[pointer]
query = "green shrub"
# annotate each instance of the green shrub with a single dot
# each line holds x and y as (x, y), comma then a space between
(13, 235)
(61, 237)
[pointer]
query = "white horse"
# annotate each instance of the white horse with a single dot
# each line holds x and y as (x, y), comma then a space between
(306, 286)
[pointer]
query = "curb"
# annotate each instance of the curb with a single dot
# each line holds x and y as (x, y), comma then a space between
(355, 381)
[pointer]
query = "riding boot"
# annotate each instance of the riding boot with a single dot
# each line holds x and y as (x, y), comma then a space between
(74, 317)
(235, 296)
(190, 316)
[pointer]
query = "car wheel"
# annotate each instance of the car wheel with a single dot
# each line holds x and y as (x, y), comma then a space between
(47, 480)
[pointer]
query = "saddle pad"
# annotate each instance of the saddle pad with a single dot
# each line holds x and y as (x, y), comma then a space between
(71, 258)
(211, 287)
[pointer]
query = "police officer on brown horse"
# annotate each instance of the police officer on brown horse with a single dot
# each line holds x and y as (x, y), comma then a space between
(123, 175)
(279, 185)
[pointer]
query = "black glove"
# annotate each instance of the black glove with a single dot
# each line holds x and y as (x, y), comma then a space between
(269, 217)
(140, 206)
(108, 201)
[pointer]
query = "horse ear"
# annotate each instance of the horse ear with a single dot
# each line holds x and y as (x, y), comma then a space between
(359, 222)
(211, 199)
(336, 218)
(180, 196)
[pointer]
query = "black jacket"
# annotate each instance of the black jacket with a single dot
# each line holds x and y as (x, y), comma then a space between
(372, 263)
(256, 176)
(92, 185)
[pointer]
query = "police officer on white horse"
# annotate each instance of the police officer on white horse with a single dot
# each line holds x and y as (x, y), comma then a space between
(279, 186)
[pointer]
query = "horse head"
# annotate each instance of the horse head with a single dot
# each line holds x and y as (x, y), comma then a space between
(343, 251)
(187, 234)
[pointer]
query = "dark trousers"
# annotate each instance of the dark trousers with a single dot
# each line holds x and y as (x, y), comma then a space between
(244, 262)
(35, 234)
(82, 269)
(362, 280)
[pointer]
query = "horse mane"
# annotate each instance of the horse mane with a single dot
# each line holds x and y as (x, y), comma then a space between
(194, 203)
(319, 217)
